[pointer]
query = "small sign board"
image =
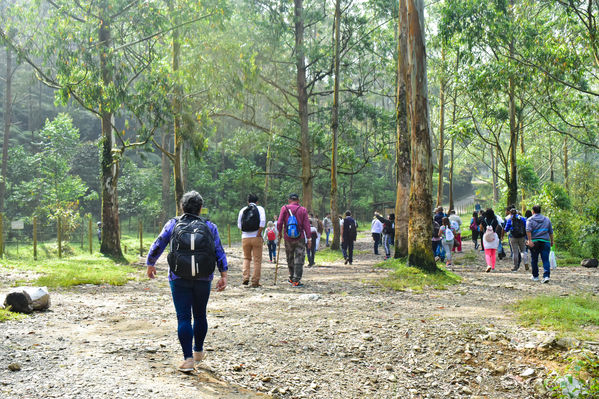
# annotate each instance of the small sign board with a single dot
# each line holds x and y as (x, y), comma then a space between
(204, 211)
(17, 225)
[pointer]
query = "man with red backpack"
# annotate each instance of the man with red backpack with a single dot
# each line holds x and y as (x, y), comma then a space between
(294, 225)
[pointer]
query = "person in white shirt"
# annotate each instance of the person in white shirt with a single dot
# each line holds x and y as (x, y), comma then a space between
(376, 230)
(456, 223)
(251, 222)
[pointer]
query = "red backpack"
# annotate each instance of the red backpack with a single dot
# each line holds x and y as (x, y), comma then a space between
(270, 234)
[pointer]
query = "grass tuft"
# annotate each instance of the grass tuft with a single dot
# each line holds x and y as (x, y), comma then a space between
(575, 315)
(327, 255)
(405, 278)
(6, 315)
(79, 269)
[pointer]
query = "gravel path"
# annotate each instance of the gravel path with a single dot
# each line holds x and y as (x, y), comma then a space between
(341, 336)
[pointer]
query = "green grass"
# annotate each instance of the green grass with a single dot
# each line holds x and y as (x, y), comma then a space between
(80, 267)
(405, 278)
(565, 259)
(469, 258)
(574, 315)
(6, 315)
(327, 255)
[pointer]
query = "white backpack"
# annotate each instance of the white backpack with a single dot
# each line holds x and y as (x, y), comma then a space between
(448, 234)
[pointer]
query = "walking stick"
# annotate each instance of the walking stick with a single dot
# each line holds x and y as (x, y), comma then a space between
(277, 264)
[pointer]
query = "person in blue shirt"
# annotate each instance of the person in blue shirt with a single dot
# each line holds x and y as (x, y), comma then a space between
(190, 296)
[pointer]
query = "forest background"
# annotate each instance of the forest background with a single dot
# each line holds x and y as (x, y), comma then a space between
(149, 99)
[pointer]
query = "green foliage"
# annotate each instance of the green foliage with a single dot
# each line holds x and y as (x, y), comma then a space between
(584, 368)
(7, 315)
(405, 278)
(576, 315)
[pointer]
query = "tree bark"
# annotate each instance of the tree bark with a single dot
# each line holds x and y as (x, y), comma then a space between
(441, 163)
(111, 237)
(166, 180)
(334, 130)
(566, 177)
(177, 112)
(302, 96)
(512, 189)
(402, 143)
(7, 124)
(453, 124)
(494, 173)
(420, 252)
(450, 176)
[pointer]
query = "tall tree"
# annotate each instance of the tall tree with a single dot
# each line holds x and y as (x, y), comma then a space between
(335, 126)
(420, 226)
(7, 123)
(402, 142)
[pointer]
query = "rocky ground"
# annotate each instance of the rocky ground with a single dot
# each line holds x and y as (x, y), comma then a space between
(340, 336)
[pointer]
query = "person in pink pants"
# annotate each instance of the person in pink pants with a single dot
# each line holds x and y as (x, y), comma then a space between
(491, 241)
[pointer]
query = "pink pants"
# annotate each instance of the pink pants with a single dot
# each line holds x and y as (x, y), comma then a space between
(490, 257)
(458, 240)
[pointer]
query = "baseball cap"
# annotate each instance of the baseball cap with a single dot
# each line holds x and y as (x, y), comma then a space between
(294, 197)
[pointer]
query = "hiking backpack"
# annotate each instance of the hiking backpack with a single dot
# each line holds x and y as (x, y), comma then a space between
(454, 225)
(250, 218)
(271, 235)
(448, 234)
(473, 225)
(192, 252)
(349, 229)
(518, 227)
(292, 228)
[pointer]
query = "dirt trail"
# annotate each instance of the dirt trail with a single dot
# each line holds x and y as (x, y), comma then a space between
(340, 336)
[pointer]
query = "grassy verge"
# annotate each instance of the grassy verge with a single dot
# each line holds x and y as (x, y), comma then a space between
(6, 315)
(78, 268)
(405, 278)
(575, 315)
(327, 255)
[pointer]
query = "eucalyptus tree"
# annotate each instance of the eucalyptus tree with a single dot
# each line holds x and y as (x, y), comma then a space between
(420, 227)
(99, 54)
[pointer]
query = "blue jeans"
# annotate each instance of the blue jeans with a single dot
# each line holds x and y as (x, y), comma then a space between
(438, 250)
(377, 240)
(328, 231)
(387, 242)
(191, 296)
(534, 259)
(272, 250)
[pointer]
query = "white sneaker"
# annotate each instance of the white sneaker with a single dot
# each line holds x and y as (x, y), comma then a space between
(545, 280)
(533, 278)
(488, 269)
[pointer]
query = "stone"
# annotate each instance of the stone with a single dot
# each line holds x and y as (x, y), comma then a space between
(539, 387)
(529, 372)
(567, 343)
(367, 337)
(28, 299)
(388, 367)
(237, 367)
(589, 263)
(14, 367)
(391, 378)
(466, 391)
(493, 337)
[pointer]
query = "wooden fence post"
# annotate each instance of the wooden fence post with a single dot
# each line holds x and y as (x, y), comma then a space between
(59, 237)
(35, 238)
(141, 238)
(91, 248)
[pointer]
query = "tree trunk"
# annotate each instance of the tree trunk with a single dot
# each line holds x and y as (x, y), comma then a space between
(7, 123)
(267, 169)
(420, 252)
(335, 129)
(512, 189)
(441, 164)
(494, 173)
(551, 169)
(166, 180)
(402, 143)
(453, 124)
(451, 204)
(177, 111)
(566, 177)
(111, 237)
(302, 97)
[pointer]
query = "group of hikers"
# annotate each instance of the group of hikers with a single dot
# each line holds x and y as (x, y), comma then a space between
(529, 236)
(196, 251)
